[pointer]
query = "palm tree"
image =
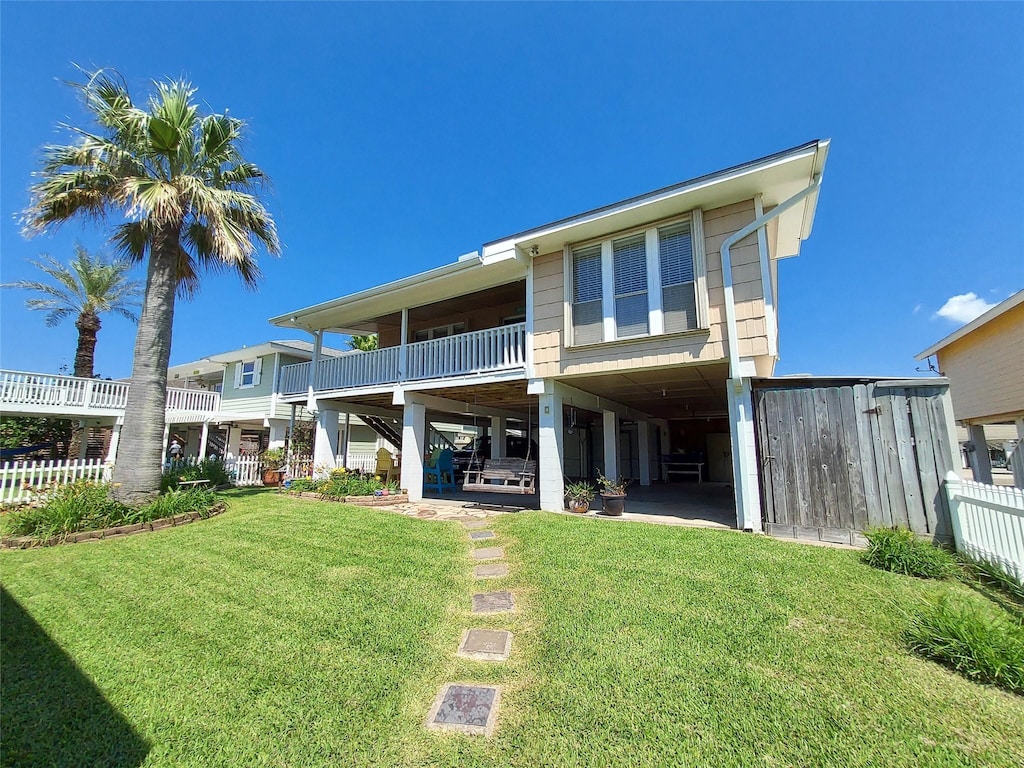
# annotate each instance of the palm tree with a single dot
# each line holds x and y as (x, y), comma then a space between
(364, 343)
(187, 197)
(85, 288)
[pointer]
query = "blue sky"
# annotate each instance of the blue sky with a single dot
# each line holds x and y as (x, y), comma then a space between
(400, 136)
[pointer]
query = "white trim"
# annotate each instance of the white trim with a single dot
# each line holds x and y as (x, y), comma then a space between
(700, 268)
(770, 318)
(607, 290)
(655, 316)
(529, 319)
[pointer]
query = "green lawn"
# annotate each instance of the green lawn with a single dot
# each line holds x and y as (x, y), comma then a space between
(295, 633)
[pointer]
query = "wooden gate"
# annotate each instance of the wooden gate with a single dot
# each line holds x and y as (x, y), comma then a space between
(838, 457)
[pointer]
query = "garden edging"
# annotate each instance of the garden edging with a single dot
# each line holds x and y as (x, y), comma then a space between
(360, 501)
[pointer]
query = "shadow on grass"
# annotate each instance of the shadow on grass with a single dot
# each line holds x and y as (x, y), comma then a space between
(50, 713)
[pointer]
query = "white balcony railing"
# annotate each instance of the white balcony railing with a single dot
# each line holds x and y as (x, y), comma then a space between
(489, 350)
(20, 391)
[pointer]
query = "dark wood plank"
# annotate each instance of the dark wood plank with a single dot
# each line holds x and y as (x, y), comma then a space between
(908, 463)
(865, 446)
(844, 438)
(816, 426)
(796, 459)
(762, 445)
(890, 479)
(776, 458)
(924, 447)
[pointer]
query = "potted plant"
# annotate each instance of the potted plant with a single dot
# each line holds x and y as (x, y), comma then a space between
(579, 495)
(272, 462)
(613, 495)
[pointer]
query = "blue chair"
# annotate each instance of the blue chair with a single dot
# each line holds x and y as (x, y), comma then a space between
(442, 474)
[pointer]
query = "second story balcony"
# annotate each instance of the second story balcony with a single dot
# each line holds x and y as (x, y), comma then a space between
(490, 350)
(47, 394)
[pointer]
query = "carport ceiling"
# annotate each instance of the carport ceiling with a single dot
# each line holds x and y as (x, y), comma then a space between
(668, 393)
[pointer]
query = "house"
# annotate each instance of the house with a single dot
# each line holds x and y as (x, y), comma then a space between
(639, 324)
(984, 362)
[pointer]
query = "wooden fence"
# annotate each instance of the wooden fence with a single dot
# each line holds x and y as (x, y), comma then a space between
(19, 480)
(988, 523)
(838, 457)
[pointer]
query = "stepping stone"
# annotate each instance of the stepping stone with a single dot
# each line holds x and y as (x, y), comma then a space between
(480, 535)
(488, 553)
(465, 709)
(493, 602)
(474, 525)
(485, 644)
(490, 571)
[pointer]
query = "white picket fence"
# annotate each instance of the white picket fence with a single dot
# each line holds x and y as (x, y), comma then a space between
(19, 480)
(988, 523)
(245, 470)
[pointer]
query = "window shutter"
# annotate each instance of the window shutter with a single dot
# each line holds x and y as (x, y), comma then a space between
(587, 317)
(257, 368)
(629, 257)
(678, 295)
(238, 375)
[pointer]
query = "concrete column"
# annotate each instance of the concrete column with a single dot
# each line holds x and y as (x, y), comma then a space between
(325, 441)
(346, 440)
(746, 482)
(278, 433)
(643, 437)
(981, 466)
(610, 432)
(115, 438)
(204, 437)
(497, 437)
(549, 443)
(414, 420)
(232, 442)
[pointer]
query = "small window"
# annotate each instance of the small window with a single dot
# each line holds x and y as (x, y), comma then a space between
(678, 295)
(247, 373)
(629, 259)
(587, 322)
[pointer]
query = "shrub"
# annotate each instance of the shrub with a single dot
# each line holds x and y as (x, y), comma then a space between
(180, 503)
(341, 483)
(985, 646)
(901, 551)
(210, 469)
(302, 484)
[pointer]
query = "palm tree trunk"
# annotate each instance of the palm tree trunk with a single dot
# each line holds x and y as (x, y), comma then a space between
(137, 472)
(88, 325)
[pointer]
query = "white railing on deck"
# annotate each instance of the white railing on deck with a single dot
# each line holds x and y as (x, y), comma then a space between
(988, 523)
(21, 480)
(492, 349)
(42, 390)
(358, 369)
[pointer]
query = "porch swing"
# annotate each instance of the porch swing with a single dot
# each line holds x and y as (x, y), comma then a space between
(508, 475)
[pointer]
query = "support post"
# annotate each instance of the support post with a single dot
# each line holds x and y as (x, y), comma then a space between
(167, 434)
(549, 439)
(115, 438)
(347, 440)
(291, 434)
(414, 418)
(403, 349)
(204, 437)
(497, 437)
(325, 442)
(981, 465)
(278, 433)
(746, 482)
(1017, 457)
(318, 343)
(611, 445)
(643, 436)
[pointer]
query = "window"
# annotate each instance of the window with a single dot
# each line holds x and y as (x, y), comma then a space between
(641, 283)
(587, 317)
(440, 332)
(247, 373)
(678, 287)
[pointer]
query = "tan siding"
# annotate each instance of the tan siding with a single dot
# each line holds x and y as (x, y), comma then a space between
(986, 368)
(551, 358)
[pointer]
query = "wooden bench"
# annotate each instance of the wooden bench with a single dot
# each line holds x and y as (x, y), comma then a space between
(192, 483)
(683, 464)
(502, 476)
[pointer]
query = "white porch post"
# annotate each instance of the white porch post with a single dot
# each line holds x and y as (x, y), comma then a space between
(403, 349)
(318, 343)
(414, 418)
(233, 442)
(1017, 457)
(347, 440)
(549, 443)
(611, 445)
(744, 456)
(278, 433)
(291, 433)
(325, 442)
(115, 438)
(204, 437)
(981, 466)
(643, 436)
(167, 434)
(498, 437)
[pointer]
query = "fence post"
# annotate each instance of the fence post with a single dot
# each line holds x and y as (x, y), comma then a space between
(953, 487)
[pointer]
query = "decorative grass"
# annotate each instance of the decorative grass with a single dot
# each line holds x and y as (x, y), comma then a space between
(899, 550)
(294, 633)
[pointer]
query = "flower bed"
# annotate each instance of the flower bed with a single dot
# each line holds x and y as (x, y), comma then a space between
(362, 501)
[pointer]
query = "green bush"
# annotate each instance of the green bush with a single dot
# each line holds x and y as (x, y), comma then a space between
(87, 506)
(341, 483)
(302, 484)
(901, 551)
(986, 646)
(210, 469)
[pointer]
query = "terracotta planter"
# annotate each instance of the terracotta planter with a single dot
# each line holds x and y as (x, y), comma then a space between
(579, 506)
(613, 504)
(272, 477)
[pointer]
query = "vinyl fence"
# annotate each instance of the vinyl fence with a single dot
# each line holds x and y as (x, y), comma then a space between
(988, 523)
(19, 480)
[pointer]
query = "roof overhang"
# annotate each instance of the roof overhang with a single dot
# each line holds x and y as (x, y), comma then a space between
(999, 309)
(469, 274)
(775, 178)
(216, 363)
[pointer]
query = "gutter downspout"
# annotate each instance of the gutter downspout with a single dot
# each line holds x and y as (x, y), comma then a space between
(730, 306)
(746, 475)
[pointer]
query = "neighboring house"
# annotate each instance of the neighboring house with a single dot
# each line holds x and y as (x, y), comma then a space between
(984, 362)
(615, 336)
